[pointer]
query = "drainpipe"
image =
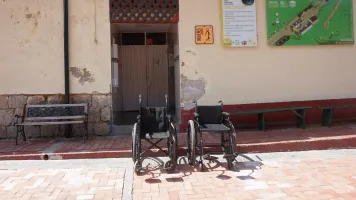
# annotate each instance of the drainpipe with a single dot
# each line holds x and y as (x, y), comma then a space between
(66, 53)
(66, 62)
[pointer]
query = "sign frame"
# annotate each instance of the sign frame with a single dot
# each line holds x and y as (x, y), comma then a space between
(223, 27)
(204, 26)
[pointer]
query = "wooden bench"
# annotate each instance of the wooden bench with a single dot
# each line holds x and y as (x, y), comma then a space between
(52, 114)
(327, 116)
(298, 111)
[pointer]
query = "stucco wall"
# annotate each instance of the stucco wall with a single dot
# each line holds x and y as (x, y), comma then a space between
(31, 51)
(255, 75)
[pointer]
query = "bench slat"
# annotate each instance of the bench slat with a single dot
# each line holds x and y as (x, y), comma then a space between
(48, 123)
(53, 118)
(268, 110)
(298, 111)
(330, 107)
(57, 105)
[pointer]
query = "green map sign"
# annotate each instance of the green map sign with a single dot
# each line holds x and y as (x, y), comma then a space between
(309, 22)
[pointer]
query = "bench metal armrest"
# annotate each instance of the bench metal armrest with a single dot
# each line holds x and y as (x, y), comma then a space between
(18, 117)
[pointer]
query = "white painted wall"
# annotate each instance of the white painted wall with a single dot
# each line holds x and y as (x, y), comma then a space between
(31, 52)
(262, 74)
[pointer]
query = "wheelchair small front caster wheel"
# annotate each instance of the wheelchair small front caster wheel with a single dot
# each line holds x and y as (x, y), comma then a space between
(137, 168)
(168, 164)
(230, 164)
(201, 166)
(169, 167)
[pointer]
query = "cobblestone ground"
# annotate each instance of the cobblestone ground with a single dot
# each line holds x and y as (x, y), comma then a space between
(305, 175)
(294, 175)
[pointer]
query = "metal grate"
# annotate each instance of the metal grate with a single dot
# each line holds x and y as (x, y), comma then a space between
(144, 11)
(55, 111)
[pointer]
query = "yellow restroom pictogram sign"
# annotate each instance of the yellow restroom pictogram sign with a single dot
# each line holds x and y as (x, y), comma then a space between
(204, 34)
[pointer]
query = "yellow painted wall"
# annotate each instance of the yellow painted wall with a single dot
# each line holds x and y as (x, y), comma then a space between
(31, 46)
(259, 74)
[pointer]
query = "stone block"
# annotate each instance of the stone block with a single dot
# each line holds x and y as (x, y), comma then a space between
(11, 132)
(83, 98)
(7, 117)
(94, 116)
(55, 99)
(35, 100)
(101, 129)
(50, 131)
(3, 132)
(17, 101)
(100, 101)
(105, 114)
(78, 130)
(33, 131)
(4, 102)
(19, 112)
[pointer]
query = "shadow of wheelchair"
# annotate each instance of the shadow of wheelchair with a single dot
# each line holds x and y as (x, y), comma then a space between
(154, 168)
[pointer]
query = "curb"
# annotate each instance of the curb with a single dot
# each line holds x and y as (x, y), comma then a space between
(321, 144)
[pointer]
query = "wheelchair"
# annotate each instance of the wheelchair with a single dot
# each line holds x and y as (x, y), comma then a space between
(210, 119)
(154, 123)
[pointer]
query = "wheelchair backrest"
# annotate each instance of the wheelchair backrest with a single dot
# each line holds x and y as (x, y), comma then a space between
(153, 119)
(210, 114)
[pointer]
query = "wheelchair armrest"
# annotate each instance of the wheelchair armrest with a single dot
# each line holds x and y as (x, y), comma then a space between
(196, 115)
(226, 114)
(170, 118)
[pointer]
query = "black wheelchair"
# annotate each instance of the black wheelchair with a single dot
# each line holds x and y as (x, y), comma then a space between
(154, 123)
(210, 119)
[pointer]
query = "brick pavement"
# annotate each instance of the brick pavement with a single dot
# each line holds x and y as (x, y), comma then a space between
(58, 182)
(343, 136)
(330, 178)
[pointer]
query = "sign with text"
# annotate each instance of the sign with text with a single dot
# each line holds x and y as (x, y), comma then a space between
(238, 23)
(204, 34)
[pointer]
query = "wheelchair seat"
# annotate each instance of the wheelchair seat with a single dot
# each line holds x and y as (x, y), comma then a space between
(214, 128)
(153, 121)
(159, 135)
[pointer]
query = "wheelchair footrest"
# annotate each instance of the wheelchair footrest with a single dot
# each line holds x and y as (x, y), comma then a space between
(209, 157)
(230, 156)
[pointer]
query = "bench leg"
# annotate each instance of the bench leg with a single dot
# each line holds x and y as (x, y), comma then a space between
(327, 117)
(86, 132)
(21, 130)
(261, 121)
(301, 118)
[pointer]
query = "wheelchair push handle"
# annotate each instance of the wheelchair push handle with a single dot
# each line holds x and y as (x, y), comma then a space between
(221, 102)
(166, 98)
(140, 99)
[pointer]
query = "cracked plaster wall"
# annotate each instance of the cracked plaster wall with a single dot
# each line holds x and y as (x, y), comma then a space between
(31, 53)
(258, 74)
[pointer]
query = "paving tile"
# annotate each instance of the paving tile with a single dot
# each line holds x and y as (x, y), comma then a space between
(289, 180)
(38, 183)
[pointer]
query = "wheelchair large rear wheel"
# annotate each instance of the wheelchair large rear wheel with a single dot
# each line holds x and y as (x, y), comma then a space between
(232, 145)
(191, 142)
(134, 145)
(172, 149)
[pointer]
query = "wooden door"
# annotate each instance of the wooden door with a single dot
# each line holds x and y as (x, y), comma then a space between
(134, 75)
(157, 73)
(145, 72)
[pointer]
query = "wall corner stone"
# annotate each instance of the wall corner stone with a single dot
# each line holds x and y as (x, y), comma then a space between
(4, 102)
(17, 101)
(34, 100)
